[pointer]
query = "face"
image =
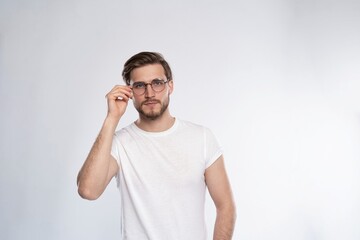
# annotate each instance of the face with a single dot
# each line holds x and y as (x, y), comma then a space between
(151, 105)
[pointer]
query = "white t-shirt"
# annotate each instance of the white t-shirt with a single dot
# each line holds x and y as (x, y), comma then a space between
(161, 180)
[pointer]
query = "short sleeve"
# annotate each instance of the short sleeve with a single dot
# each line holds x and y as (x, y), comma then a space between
(115, 148)
(213, 150)
(116, 154)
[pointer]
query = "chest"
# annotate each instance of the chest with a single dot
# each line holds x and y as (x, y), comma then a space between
(168, 162)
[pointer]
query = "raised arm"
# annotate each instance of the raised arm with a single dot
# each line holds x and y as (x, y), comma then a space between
(100, 167)
(220, 191)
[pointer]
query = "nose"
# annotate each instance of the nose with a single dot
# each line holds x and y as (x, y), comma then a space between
(149, 92)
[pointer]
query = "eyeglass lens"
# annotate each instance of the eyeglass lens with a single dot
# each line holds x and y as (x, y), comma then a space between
(157, 85)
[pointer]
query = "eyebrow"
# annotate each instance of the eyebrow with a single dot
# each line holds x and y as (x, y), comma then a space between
(149, 81)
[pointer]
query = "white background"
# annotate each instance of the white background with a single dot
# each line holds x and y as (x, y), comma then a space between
(277, 81)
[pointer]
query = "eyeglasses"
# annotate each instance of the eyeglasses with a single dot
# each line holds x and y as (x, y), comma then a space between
(157, 85)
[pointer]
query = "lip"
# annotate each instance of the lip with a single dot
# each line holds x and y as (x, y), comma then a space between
(150, 102)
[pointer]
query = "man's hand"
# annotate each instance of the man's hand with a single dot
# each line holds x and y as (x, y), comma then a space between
(117, 100)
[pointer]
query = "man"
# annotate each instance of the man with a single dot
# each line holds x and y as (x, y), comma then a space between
(162, 164)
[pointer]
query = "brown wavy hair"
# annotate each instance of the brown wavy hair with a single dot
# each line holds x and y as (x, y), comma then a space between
(142, 59)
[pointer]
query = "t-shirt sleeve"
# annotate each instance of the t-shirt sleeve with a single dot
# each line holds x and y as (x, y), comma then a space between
(115, 148)
(213, 150)
(116, 153)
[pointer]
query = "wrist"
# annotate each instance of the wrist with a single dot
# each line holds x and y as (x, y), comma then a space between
(111, 121)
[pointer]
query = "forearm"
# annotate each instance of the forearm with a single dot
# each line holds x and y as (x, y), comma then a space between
(225, 223)
(92, 178)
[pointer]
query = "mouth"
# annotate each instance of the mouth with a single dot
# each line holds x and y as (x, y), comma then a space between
(151, 102)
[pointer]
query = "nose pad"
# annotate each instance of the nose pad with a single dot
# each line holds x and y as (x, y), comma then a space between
(149, 92)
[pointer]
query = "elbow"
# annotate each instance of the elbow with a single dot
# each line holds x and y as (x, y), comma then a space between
(228, 210)
(87, 193)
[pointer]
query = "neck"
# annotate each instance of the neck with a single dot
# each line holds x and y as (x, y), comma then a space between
(160, 124)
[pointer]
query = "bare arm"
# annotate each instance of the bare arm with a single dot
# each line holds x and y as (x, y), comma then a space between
(100, 167)
(220, 191)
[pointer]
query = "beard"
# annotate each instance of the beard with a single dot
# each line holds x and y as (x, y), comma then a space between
(152, 114)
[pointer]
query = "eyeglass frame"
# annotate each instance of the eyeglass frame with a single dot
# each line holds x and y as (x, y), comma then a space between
(150, 83)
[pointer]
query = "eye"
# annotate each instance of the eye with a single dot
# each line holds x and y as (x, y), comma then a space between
(157, 82)
(139, 85)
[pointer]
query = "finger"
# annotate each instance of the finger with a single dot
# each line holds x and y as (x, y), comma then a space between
(122, 94)
(126, 88)
(117, 96)
(121, 89)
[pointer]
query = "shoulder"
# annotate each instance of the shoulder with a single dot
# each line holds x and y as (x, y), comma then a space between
(195, 129)
(188, 124)
(123, 131)
(194, 126)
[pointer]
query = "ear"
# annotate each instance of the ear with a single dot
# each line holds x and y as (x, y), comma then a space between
(171, 86)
